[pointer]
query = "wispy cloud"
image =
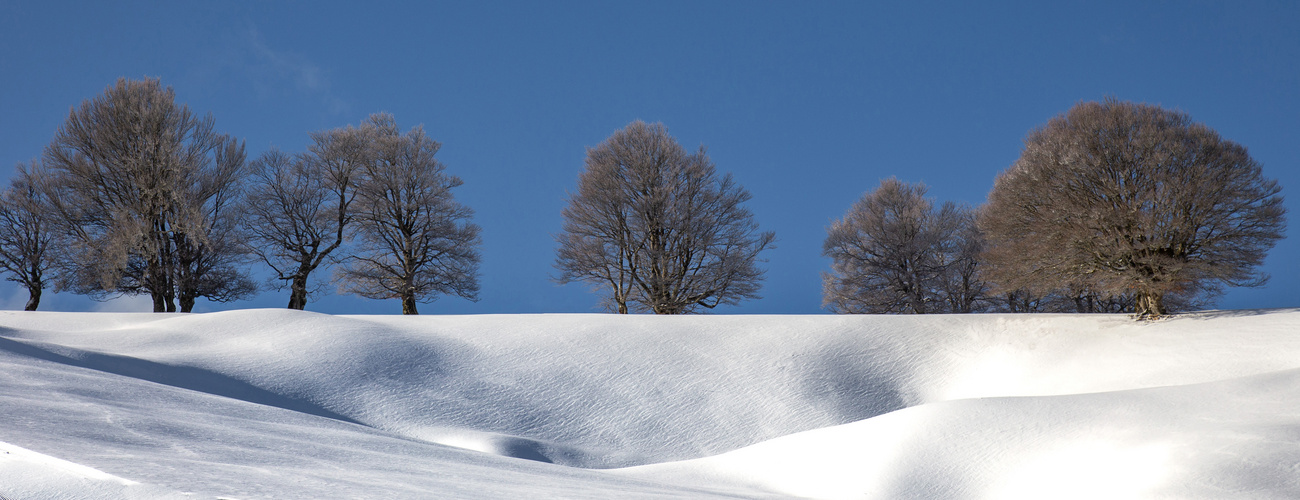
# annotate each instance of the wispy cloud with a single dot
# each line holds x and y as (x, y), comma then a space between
(282, 64)
(273, 72)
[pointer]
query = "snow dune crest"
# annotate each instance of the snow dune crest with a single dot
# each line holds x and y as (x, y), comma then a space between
(988, 406)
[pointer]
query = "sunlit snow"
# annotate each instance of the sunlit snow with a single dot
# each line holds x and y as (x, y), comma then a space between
(288, 404)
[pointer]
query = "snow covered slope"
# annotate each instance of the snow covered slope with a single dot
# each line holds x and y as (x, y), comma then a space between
(289, 404)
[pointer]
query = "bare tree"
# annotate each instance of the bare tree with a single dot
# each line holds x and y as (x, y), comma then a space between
(298, 209)
(894, 252)
(962, 284)
(1133, 200)
(209, 264)
(1019, 301)
(658, 227)
(133, 180)
(415, 242)
(26, 236)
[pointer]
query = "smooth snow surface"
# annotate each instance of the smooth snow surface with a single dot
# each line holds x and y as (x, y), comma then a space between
(289, 404)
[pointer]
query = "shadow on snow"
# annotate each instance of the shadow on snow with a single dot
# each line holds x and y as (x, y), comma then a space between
(184, 377)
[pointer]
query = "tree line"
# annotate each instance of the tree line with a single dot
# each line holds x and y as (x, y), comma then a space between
(1112, 207)
(138, 195)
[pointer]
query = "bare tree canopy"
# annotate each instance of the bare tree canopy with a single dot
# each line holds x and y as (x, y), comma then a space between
(659, 228)
(962, 285)
(298, 208)
(1131, 199)
(895, 252)
(209, 259)
(26, 237)
(415, 242)
(141, 188)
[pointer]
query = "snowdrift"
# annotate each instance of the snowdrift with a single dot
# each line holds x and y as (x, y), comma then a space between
(290, 404)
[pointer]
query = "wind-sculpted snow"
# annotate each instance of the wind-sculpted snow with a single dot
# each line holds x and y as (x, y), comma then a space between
(288, 404)
(1232, 439)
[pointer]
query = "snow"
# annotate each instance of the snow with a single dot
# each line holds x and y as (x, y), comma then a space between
(290, 404)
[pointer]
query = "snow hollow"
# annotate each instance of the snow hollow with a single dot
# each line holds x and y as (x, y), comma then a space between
(289, 404)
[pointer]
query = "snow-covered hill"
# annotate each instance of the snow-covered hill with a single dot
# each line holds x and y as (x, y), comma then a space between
(289, 404)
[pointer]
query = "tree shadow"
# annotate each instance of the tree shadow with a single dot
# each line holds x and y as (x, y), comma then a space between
(183, 377)
(1230, 313)
(854, 384)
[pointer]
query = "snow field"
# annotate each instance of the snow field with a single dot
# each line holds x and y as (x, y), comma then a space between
(287, 404)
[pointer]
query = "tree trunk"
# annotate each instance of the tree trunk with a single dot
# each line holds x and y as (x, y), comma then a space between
(187, 303)
(34, 294)
(158, 285)
(298, 292)
(163, 271)
(666, 307)
(1150, 304)
(170, 291)
(620, 299)
(408, 304)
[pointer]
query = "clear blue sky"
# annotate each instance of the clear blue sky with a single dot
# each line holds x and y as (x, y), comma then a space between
(808, 104)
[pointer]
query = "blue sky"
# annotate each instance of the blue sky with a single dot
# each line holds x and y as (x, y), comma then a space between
(808, 104)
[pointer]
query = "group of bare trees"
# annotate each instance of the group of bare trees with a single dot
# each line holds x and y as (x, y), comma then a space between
(1112, 207)
(377, 188)
(138, 195)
